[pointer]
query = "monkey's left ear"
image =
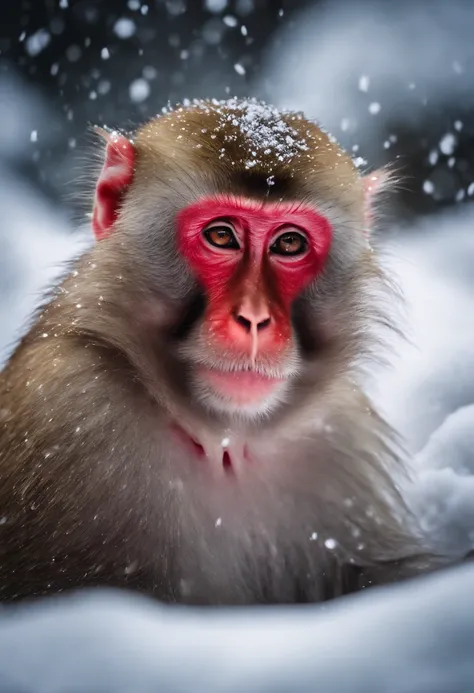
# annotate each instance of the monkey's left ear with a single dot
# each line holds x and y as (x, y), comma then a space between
(115, 177)
(375, 184)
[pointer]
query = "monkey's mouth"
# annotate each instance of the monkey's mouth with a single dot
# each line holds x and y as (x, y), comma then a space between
(240, 386)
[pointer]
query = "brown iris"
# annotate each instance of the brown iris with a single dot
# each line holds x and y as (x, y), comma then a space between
(290, 243)
(221, 235)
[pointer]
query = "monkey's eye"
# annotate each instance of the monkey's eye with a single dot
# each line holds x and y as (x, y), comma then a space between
(221, 235)
(289, 244)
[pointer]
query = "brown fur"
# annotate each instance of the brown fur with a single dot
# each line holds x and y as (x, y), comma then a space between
(94, 489)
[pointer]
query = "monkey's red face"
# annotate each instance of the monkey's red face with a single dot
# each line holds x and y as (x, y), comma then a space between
(250, 324)
(252, 260)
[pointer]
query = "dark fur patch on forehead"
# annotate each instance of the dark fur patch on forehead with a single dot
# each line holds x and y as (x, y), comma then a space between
(257, 183)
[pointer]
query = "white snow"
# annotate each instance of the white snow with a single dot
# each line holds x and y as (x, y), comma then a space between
(124, 28)
(37, 42)
(215, 6)
(139, 90)
(262, 124)
(230, 20)
(444, 494)
(413, 638)
(448, 143)
(364, 83)
(429, 393)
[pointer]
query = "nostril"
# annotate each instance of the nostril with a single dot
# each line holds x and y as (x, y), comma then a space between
(262, 325)
(246, 324)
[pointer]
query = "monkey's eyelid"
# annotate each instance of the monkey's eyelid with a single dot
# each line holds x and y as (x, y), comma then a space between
(220, 222)
(288, 228)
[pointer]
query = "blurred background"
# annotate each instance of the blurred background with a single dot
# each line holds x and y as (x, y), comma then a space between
(394, 82)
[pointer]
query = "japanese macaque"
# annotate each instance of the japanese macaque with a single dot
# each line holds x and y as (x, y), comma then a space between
(185, 417)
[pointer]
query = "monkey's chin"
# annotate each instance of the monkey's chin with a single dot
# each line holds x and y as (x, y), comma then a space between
(244, 392)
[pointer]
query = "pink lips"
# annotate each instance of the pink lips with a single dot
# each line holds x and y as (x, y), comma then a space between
(241, 386)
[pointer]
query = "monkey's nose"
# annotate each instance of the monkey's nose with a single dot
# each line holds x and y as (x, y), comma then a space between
(251, 318)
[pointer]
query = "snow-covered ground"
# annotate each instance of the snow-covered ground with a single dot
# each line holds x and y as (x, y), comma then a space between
(415, 638)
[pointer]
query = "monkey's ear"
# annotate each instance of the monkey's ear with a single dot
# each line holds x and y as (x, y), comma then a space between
(115, 177)
(375, 184)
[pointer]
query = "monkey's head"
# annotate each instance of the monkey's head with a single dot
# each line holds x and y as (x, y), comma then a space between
(253, 223)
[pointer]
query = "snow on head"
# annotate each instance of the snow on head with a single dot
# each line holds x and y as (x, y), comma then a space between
(264, 127)
(267, 130)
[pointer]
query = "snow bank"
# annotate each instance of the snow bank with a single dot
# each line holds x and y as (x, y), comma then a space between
(431, 377)
(415, 638)
(428, 395)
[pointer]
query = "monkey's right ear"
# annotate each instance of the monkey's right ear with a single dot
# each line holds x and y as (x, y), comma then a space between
(115, 177)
